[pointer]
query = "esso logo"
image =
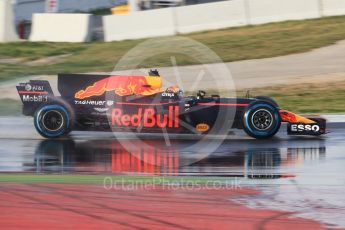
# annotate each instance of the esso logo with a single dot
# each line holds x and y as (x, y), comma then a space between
(301, 128)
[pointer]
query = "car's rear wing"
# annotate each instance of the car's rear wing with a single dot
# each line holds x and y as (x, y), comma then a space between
(33, 94)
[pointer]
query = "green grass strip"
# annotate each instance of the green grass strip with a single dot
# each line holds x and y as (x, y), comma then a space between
(110, 179)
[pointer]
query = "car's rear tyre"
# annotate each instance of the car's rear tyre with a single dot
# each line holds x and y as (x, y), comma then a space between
(261, 120)
(52, 121)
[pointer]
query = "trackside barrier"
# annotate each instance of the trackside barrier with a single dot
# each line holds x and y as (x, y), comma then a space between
(141, 24)
(7, 27)
(210, 16)
(264, 11)
(186, 19)
(333, 7)
(217, 15)
(61, 28)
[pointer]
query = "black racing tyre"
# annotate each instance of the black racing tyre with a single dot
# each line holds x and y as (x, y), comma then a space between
(52, 121)
(261, 120)
(268, 99)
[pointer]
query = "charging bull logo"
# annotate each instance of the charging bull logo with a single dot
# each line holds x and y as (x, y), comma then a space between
(123, 86)
(146, 118)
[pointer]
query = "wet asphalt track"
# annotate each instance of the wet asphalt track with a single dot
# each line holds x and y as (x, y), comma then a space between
(301, 174)
(23, 150)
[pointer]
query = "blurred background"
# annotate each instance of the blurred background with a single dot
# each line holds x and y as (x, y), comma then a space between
(291, 50)
(24, 9)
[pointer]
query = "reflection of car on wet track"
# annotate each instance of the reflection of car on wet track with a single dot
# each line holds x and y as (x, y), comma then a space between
(138, 104)
(110, 156)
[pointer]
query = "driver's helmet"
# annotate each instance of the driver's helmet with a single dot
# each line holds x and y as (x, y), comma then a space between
(174, 89)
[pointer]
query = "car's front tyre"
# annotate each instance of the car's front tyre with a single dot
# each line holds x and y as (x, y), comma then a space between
(52, 121)
(261, 120)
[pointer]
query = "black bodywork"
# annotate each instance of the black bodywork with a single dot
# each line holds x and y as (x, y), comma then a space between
(170, 112)
(94, 114)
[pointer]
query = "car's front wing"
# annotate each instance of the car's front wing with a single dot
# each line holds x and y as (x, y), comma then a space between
(303, 125)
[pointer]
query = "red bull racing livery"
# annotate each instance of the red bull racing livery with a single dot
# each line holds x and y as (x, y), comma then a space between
(140, 104)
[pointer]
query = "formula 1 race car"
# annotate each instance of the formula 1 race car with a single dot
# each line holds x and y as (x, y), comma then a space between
(138, 104)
